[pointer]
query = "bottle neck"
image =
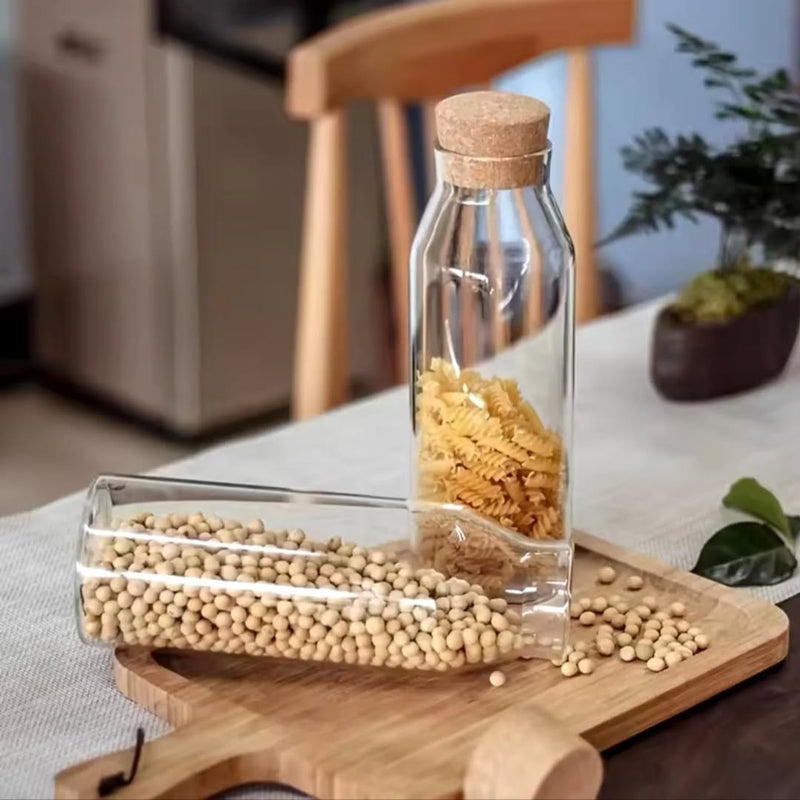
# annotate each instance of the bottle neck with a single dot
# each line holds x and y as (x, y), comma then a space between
(471, 174)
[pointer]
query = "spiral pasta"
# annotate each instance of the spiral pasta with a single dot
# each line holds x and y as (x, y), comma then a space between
(482, 445)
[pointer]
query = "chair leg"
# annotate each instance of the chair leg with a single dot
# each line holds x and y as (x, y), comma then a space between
(401, 217)
(321, 362)
(579, 189)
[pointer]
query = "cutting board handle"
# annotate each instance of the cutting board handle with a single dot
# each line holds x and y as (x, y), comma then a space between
(202, 758)
(529, 755)
(525, 754)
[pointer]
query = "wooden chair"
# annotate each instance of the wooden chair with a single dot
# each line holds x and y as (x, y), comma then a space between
(422, 52)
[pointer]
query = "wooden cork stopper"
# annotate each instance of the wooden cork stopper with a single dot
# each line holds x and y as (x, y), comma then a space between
(492, 140)
(492, 124)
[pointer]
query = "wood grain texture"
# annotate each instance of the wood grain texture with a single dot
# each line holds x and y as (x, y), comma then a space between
(321, 368)
(427, 50)
(401, 214)
(579, 182)
(508, 760)
(344, 732)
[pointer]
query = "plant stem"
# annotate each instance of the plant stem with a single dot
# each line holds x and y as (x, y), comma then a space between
(734, 244)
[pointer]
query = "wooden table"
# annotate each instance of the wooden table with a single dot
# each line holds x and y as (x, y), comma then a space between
(648, 475)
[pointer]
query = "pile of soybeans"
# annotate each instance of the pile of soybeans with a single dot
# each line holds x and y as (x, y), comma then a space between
(203, 583)
(640, 631)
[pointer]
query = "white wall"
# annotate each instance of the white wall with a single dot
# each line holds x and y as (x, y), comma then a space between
(14, 274)
(649, 85)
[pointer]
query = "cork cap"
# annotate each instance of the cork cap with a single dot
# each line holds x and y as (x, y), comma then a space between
(492, 139)
(492, 124)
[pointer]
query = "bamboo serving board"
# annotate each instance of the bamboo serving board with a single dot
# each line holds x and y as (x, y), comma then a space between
(343, 732)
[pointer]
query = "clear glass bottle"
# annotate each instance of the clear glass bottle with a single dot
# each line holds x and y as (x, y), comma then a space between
(308, 576)
(492, 322)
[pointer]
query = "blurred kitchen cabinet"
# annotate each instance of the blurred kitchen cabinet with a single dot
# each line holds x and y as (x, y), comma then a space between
(166, 194)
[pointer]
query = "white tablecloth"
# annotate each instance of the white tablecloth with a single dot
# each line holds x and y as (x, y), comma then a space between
(648, 474)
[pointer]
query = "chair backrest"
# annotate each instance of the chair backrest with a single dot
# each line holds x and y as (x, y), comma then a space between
(421, 52)
(429, 49)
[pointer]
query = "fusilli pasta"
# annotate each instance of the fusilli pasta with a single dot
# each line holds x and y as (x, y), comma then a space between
(482, 445)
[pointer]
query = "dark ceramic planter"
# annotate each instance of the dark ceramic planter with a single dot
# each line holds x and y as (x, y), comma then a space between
(698, 361)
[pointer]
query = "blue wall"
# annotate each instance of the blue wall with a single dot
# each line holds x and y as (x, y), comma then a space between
(647, 85)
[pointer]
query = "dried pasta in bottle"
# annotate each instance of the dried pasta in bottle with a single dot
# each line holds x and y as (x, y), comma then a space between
(492, 317)
(484, 446)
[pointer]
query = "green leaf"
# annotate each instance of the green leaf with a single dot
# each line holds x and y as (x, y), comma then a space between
(748, 495)
(794, 526)
(754, 181)
(746, 554)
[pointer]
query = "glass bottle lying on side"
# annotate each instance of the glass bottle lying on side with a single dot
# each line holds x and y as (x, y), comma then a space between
(316, 577)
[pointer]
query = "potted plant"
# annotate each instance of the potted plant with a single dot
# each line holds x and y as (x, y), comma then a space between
(733, 327)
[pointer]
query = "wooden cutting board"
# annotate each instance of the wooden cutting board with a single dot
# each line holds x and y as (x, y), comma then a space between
(343, 732)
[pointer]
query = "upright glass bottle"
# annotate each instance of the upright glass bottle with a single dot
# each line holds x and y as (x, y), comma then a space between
(492, 322)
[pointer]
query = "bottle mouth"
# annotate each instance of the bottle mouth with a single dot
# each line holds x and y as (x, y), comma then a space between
(487, 172)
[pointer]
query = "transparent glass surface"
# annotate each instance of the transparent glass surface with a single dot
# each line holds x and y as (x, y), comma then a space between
(318, 577)
(492, 325)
